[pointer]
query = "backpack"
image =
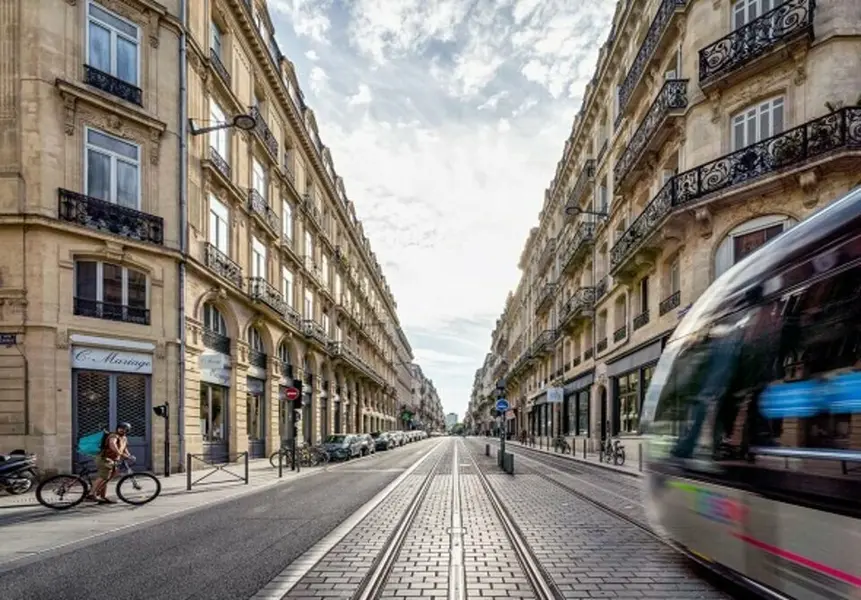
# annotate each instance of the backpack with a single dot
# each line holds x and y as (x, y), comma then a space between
(93, 444)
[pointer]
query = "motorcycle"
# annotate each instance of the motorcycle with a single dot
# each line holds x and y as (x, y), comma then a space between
(18, 472)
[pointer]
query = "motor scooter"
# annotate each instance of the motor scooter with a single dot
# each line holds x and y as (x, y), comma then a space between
(18, 472)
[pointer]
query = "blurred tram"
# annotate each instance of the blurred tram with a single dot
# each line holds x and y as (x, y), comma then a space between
(752, 421)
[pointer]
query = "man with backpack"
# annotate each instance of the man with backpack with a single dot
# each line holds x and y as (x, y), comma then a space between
(114, 448)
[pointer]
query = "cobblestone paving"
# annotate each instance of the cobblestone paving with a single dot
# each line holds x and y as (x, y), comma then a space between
(589, 553)
(338, 575)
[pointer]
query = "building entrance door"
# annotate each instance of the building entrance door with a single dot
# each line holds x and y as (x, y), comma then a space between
(100, 400)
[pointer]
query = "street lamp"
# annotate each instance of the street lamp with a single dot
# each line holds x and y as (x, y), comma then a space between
(576, 211)
(243, 122)
(500, 393)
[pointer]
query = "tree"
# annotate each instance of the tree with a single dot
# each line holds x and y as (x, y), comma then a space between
(458, 429)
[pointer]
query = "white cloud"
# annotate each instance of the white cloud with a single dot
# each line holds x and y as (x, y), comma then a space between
(468, 106)
(363, 96)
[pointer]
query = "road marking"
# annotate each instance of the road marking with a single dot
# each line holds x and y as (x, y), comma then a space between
(282, 583)
(456, 573)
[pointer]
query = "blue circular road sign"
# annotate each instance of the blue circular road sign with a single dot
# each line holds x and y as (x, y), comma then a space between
(502, 405)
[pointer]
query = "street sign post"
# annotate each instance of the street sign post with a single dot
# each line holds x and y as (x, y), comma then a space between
(502, 405)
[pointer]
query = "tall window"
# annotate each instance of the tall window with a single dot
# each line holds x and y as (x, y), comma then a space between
(675, 277)
(219, 140)
(109, 291)
(287, 285)
(218, 225)
(255, 341)
(309, 245)
(287, 220)
(258, 258)
(213, 320)
(215, 41)
(325, 270)
(757, 123)
(309, 304)
(745, 11)
(747, 238)
(643, 294)
(112, 168)
(112, 44)
(324, 321)
(338, 286)
(339, 334)
(259, 178)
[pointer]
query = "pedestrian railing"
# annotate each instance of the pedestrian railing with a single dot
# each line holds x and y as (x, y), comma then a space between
(583, 449)
(227, 464)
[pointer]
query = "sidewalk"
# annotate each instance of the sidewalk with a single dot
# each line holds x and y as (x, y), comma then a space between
(28, 529)
(631, 466)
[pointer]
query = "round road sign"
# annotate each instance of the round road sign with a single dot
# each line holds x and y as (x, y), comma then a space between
(291, 393)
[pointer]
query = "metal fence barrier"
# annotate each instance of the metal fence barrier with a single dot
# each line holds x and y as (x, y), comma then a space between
(222, 464)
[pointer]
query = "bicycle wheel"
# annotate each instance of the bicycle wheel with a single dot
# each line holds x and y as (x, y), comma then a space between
(322, 457)
(138, 488)
(62, 491)
(619, 459)
(273, 458)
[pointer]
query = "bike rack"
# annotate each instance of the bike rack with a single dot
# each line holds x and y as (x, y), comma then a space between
(216, 466)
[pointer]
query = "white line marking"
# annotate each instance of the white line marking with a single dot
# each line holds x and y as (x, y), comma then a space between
(456, 574)
(282, 583)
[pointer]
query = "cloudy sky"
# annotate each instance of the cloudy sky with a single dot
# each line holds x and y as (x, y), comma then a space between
(446, 119)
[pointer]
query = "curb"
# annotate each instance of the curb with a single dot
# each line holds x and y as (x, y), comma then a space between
(575, 459)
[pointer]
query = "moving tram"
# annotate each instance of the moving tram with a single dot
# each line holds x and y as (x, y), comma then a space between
(752, 421)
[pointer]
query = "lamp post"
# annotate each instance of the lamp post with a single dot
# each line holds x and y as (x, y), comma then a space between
(500, 393)
(576, 211)
(243, 122)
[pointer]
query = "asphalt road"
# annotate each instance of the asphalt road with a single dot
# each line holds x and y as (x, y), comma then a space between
(228, 551)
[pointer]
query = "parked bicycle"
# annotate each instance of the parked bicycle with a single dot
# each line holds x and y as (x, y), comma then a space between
(71, 489)
(306, 456)
(561, 444)
(612, 452)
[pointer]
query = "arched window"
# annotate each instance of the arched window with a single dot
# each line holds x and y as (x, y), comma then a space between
(747, 238)
(213, 320)
(254, 340)
(284, 354)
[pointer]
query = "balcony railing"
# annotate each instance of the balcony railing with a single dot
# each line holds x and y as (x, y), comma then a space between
(671, 100)
(216, 341)
(590, 352)
(258, 359)
(584, 180)
(601, 288)
(601, 346)
(580, 304)
(620, 334)
(286, 369)
(839, 130)
(219, 162)
(257, 205)
(640, 320)
(311, 210)
(668, 304)
(580, 241)
(575, 362)
(314, 330)
(223, 266)
(790, 21)
(545, 297)
(292, 316)
(547, 253)
(93, 213)
(261, 128)
(261, 290)
(656, 31)
(113, 85)
(219, 67)
(85, 307)
(543, 342)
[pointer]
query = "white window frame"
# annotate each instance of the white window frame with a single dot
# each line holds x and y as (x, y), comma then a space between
(675, 276)
(215, 318)
(755, 113)
(287, 219)
(339, 287)
(325, 270)
(325, 322)
(114, 34)
(741, 8)
(219, 225)
(258, 259)
(724, 257)
(216, 35)
(255, 340)
(308, 307)
(100, 281)
(220, 139)
(114, 158)
(339, 334)
(287, 286)
(309, 245)
(259, 181)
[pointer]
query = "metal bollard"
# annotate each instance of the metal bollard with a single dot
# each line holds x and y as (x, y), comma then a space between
(188, 472)
(280, 464)
(246, 468)
(640, 455)
(584, 448)
(487, 449)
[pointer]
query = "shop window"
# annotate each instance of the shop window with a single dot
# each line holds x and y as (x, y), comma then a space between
(112, 292)
(628, 389)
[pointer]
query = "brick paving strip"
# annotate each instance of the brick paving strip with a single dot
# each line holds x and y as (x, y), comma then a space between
(590, 553)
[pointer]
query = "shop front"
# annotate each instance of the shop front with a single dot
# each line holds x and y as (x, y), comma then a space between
(629, 377)
(577, 405)
(111, 386)
(215, 377)
(255, 414)
(307, 408)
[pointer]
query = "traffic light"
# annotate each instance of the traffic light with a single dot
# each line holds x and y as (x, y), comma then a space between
(160, 410)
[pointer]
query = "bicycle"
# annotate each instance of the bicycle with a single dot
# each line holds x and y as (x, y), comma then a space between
(560, 443)
(613, 451)
(306, 456)
(128, 483)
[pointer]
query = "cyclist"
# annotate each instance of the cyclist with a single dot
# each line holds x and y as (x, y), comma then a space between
(114, 449)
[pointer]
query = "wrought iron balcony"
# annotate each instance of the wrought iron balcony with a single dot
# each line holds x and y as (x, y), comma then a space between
(256, 358)
(590, 352)
(261, 290)
(113, 85)
(578, 307)
(790, 22)
(601, 287)
(670, 103)
(258, 206)
(602, 345)
(547, 254)
(579, 243)
(545, 297)
(653, 40)
(315, 331)
(640, 320)
(311, 210)
(109, 311)
(286, 369)
(219, 162)
(261, 129)
(93, 213)
(216, 341)
(818, 139)
(543, 343)
(222, 265)
(620, 334)
(668, 304)
(218, 66)
(292, 316)
(584, 181)
(575, 362)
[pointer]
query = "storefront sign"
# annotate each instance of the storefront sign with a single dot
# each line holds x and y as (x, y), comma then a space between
(100, 359)
(254, 386)
(214, 361)
(509, 415)
(554, 395)
(215, 369)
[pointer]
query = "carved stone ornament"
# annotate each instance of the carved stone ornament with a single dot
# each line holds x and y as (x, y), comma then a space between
(69, 110)
(160, 350)
(808, 181)
(715, 100)
(155, 146)
(220, 294)
(703, 217)
(800, 60)
(63, 334)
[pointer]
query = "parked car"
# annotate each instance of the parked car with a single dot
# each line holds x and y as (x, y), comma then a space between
(343, 446)
(383, 440)
(369, 446)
